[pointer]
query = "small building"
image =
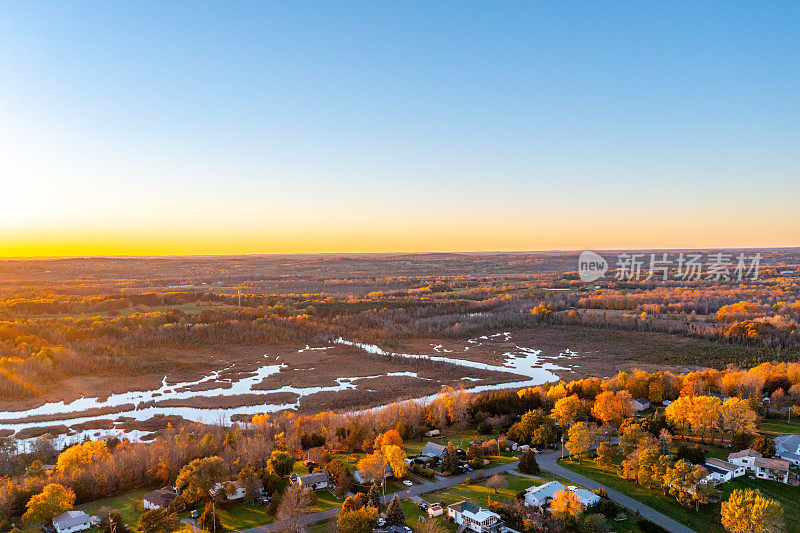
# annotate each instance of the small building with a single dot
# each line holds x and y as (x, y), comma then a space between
(745, 458)
(435, 510)
(433, 433)
(772, 469)
(362, 477)
(641, 404)
(474, 518)
(71, 521)
(315, 481)
(232, 490)
(720, 471)
(787, 447)
(512, 445)
(159, 499)
(433, 450)
(585, 497)
(538, 496)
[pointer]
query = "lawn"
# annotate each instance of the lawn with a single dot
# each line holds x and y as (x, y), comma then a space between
(773, 425)
(242, 515)
(705, 520)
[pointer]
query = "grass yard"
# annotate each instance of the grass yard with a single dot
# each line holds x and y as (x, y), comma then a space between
(705, 520)
(773, 425)
(242, 515)
(326, 500)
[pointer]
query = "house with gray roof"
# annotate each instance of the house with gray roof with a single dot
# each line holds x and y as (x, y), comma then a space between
(71, 521)
(787, 447)
(433, 450)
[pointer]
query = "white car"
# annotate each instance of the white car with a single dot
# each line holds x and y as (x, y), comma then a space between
(407, 482)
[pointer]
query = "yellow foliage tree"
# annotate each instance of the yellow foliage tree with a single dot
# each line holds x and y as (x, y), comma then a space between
(747, 511)
(565, 504)
(52, 501)
(81, 455)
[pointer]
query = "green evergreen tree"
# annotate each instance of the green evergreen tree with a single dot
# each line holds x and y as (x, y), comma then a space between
(374, 497)
(527, 463)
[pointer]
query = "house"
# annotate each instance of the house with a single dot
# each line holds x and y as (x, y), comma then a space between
(433, 433)
(71, 521)
(720, 471)
(362, 477)
(512, 445)
(787, 447)
(585, 497)
(435, 510)
(772, 469)
(474, 518)
(433, 450)
(159, 499)
(233, 490)
(539, 496)
(641, 404)
(315, 481)
(745, 458)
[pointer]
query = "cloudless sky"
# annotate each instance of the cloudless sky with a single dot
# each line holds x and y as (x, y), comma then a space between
(261, 127)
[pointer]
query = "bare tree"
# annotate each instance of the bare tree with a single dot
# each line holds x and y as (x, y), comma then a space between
(295, 503)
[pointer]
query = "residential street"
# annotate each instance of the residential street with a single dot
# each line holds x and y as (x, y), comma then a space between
(547, 462)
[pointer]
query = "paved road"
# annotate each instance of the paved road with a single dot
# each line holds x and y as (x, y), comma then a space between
(548, 462)
(411, 491)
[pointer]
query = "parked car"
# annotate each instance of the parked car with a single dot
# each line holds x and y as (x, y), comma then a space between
(194, 514)
(423, 506)
(407, 482)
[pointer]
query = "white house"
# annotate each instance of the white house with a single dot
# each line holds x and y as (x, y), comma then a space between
(315, 481)
(474, 518)
(641, 404)
(745, 458)
(585, 497)
(433, 433)
(159, 499)
(71, 521)
(772, 469)
(787, 447)
(539, 496)
(233, 490)
(720, 471)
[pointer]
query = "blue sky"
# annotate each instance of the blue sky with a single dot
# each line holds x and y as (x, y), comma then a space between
(377, 126)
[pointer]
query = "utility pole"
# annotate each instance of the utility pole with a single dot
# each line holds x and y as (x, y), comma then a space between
(214, 514)
(562, 447)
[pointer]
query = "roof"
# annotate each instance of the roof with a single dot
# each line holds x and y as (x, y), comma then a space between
(161, 497)
(546, 490)
(789, 443)
(724, 465)
(748, 452)
(477, 512)
(70, 519)
(586, 495)
(316, 477)
(433, 449)
(774, 464)
(642, 401)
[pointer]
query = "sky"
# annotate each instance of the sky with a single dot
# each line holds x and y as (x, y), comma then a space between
(156, 128)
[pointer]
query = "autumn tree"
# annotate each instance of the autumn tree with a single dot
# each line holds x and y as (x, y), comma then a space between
(565, 504)
(209, 520)
(566, 410)
(534, 428)
(496, 482)
(396, 458)
(158, 521)
(612, 408)
(296, 502)
(738, 417)
(196, 479)
(280, 463)
(605, 454)
(82, 455)
(52, 501)
(748, 511)
(361, 520)
(581, 439)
